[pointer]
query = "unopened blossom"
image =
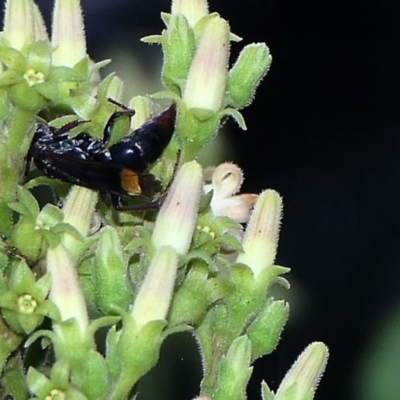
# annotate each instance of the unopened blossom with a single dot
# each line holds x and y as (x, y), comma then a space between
(68, 33)
(193, 10)
(177, 218)
(79, 208)
(154, 297)
(225, 182)
(66, 292)
(208, 73)
(260, 240)
(22, 21)
(39, 25)
(305, 373)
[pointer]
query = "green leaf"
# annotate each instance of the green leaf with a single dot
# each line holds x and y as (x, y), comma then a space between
(266, 329)
(266, 392)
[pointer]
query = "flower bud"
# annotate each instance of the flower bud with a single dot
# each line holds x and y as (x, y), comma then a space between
(68, 33)
(143, 111)
(206, 81)
(261, 237)
(39, 25)
(66, 292)
(252, 65)
(19, 23)
(178, 215)
(305, 374)
(193, 10)
(78, 211)
(154, 297)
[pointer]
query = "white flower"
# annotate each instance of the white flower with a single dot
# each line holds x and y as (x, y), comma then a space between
(225, 182)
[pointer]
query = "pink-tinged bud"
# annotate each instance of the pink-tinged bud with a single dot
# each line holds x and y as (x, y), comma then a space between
(68, 33)
(154, 297)
(66, 292)
(303, 377)
(206, 81)
(193, 10)
(19, 23)
(178, 215)
(260, 241)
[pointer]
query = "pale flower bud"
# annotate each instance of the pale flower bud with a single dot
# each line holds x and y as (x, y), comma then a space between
(154, 297)
(19, 23)
(193, 10)
(79, 208)
(206, 81)
(68, 33)
(261, 237)
(66, 292)
(305, 373)
(177, 218)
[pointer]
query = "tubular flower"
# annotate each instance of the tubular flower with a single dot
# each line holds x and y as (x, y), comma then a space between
(68, 33)
(178, 215)
(193, 10)
(226, 180)
(208, 73)
(21, 22)
(260, 240)
(154, 296)
(305, 374)
(66, 292)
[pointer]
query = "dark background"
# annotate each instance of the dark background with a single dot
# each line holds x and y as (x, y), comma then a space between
(324, 132)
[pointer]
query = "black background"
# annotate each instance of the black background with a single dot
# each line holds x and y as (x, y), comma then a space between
(324, 132)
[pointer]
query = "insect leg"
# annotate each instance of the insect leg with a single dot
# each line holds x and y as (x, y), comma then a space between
(114, 116)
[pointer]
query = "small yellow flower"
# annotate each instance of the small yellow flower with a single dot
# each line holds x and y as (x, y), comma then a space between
(27, 304)
(225, 182)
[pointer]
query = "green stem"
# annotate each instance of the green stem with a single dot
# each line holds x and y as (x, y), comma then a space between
(10, 341)
(14, 143)
(124, 385)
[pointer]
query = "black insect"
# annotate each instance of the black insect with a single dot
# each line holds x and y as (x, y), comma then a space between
(118, 170)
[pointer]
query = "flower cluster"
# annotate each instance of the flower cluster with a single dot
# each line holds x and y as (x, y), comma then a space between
(203, 261)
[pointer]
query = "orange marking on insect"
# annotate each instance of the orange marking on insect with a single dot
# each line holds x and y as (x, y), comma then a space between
(130, 182)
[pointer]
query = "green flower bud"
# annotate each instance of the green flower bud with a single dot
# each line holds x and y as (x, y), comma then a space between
(235, 371)
(265, 331)
(178, 47)
(303, 377)
(111, 275)
(251, 66)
